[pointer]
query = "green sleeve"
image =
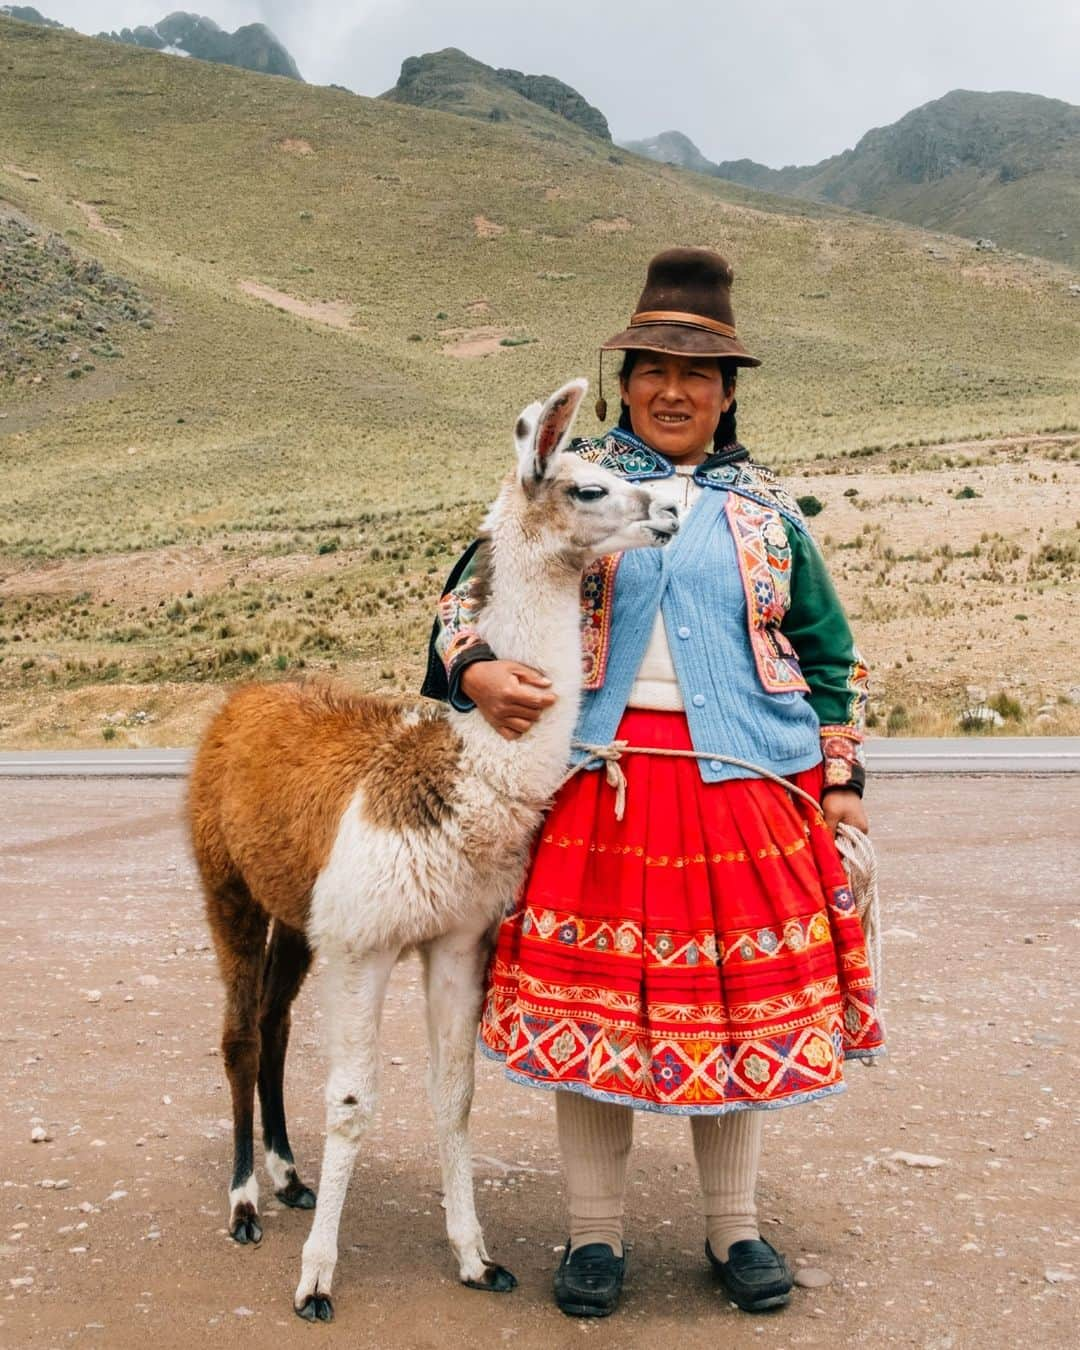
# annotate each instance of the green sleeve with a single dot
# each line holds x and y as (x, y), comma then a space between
(818, 629)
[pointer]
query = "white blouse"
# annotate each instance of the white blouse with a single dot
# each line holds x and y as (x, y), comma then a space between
(656, 686)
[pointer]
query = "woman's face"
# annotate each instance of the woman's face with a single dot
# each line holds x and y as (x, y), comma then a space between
(676, 402)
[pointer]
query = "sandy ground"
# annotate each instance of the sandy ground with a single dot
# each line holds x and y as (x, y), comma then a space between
(113, 1234)
(333, 313)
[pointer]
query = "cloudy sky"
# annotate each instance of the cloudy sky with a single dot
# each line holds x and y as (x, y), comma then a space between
(780, 81)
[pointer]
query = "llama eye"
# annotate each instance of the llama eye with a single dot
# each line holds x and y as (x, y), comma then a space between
(588, 494)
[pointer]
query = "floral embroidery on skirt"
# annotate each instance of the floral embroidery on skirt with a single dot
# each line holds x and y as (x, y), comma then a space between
(699, 956)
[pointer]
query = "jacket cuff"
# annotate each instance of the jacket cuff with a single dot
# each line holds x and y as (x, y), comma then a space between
(841, 751)
(476, 651)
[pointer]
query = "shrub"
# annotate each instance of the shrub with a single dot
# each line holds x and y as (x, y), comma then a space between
(811, 505)
(1009, 708)
(898, 719)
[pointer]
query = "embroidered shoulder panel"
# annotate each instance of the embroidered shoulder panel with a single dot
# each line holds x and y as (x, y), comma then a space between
(597, 594)
(756, 482)
(764, 553)
(623, 454)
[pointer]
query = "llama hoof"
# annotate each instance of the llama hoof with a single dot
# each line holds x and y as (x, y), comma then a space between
(296, 1195)
(495, 1280)
(245, 1226)
(316, 1308)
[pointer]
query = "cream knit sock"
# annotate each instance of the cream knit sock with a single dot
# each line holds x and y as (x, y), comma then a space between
(594, 1141)
(728, 1151)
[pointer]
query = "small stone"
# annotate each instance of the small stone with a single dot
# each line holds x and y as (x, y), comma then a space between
(117, 1195)
(1058, 1276)
(396, 1059)
(916, 1159)
(21, 1281)
(812, 1277)
(62, 1185)
(243, 1312)
(40, 1135)
(93, 996)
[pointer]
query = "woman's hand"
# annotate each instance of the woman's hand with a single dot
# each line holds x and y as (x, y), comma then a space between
(510, 696)
(842, 806)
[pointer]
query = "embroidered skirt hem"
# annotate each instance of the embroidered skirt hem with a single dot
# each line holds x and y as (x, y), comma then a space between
(701, 956)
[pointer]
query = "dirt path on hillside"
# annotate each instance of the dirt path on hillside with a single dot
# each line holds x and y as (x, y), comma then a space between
(94, 220)
(332, 313)
(113, 1231)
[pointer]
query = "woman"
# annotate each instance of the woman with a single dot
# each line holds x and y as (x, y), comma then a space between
(701, 955)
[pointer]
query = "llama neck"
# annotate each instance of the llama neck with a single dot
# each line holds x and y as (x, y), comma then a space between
(533, 615)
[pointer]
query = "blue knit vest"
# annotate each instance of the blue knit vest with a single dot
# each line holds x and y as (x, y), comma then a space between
(696, 583)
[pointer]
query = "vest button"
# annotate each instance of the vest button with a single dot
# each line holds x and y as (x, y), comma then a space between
(715, 764)
(698, 700)
(683, 632)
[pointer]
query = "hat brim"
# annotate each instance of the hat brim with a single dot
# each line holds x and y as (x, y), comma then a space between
(678, 339)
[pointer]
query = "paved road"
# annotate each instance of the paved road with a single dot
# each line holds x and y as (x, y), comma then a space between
(962, 754)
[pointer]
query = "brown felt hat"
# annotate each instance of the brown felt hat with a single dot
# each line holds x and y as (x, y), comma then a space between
(685, 309)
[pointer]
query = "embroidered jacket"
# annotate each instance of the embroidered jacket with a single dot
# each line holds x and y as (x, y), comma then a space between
(749, 610)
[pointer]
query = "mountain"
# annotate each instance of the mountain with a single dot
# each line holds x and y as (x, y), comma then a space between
(252, 47)
(1002, 166)
(451, 81)
(671, 147)
(27, 14)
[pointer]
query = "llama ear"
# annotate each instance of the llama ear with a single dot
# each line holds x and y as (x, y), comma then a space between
(542, 430)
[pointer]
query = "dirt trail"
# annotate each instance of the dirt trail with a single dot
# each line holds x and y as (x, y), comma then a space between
(332, 313)
(110, 1008)
(94, 220)
(27, 175)
(468, 343)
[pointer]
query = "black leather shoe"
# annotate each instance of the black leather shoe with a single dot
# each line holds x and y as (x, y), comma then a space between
(589, 1281)
(755, 1275)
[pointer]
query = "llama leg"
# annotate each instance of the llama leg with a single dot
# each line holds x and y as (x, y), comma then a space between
(356, 984)
(239, 930)
(287, 960)
(454, 968)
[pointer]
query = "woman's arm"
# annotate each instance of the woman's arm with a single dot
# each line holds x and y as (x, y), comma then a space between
(818, 629)
(463, 671)
(455, 644)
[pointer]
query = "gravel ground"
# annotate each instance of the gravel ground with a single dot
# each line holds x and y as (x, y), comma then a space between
(938, 1196)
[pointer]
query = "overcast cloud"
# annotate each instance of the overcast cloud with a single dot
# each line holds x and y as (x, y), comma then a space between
(780, 81)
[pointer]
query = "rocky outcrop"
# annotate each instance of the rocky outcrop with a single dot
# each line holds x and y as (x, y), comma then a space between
(252, 47)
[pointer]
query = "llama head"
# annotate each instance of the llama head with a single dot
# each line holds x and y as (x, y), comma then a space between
(576, 510)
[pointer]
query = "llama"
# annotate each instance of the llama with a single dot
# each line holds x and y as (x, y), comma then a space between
(361, 828)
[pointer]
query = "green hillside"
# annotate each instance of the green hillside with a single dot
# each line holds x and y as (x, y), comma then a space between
(451, 81)
(242, 488)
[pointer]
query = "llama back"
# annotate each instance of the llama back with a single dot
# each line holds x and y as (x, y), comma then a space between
(277, 769)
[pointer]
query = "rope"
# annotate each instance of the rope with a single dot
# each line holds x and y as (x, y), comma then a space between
(855, 849)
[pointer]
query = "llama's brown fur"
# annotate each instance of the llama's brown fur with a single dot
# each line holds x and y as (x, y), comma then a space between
(275, 772)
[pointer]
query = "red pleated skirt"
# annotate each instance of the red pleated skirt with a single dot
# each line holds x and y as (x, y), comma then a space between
(701, 955)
